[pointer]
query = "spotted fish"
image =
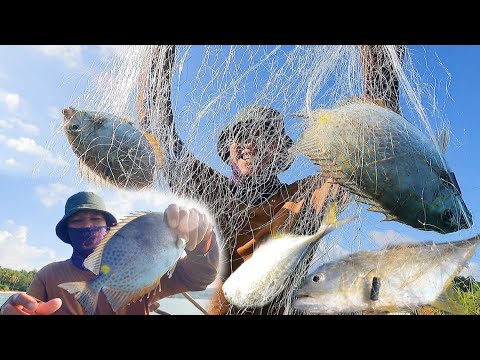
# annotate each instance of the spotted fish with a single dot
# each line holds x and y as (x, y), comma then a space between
(112, 148)
(129, 262)
(389, 163)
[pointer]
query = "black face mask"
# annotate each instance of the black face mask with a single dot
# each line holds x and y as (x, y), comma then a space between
(84, 241)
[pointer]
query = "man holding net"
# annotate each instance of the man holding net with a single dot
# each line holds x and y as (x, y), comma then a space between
(252, 204)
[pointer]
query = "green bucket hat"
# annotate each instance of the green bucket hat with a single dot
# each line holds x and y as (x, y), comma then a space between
(82, 201)
(261, 120)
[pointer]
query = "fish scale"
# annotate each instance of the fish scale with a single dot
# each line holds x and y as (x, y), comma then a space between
(380, 156)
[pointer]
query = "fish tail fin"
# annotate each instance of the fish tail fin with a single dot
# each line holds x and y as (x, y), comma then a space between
(84, 295)
(330, 221)
(446, 302)
(330, 217)
(155, 146)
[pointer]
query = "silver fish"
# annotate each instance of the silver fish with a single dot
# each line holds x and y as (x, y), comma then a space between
(129, 262)
(388, 162)
(400, 277)
(262, 277)
(112, 148)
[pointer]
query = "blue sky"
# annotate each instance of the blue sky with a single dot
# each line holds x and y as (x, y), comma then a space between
(38, 170)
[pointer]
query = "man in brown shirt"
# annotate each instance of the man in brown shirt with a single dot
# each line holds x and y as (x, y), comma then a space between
(253, 204)
(85, 223)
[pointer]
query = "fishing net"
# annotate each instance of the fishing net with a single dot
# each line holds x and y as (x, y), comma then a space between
(185, 99)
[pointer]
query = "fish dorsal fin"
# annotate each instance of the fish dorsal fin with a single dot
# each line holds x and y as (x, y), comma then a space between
(155, 146)
(94, 260)
(443, 139)
(408, 245)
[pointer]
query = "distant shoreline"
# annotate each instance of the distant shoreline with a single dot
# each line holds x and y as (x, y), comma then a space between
(10, 292)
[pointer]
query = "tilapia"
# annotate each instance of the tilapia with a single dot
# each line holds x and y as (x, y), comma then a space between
(262, 277)
(380, 156)
(112, 148)
(398, 277)
(129, 262)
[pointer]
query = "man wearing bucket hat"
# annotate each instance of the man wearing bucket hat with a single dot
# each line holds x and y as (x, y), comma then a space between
(252, 204)
(84, 225)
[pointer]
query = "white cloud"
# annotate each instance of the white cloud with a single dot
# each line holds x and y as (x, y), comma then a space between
(11, 162)
(14, 123)
(71, 55)
(17, 254)
(53, 194)
(11, 100)
(389, 237)
(29, 146)
(107, 51)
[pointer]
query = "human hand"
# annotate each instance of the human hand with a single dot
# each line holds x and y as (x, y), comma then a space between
(190, 225)
(23, 304)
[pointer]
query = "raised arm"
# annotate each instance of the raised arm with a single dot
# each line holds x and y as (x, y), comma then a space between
(380, 79)
(184, 173)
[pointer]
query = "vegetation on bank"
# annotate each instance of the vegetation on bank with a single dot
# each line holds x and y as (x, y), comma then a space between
(15, 280)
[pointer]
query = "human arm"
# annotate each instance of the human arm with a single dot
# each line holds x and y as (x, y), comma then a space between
(380, 78)
(200, 267)
(184, 173)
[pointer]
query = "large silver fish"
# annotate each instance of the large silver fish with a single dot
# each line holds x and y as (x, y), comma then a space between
(400, 277)
(112, 148)
(386, 160)
(262, 277)
(129, 262)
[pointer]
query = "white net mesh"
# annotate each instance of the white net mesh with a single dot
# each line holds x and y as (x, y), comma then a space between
(188, 99)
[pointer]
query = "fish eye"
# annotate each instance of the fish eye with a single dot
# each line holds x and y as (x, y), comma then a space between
(447, 215)
(317, 278)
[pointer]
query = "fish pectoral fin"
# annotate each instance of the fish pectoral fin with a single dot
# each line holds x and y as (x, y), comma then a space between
(85, 296)
(73, 287)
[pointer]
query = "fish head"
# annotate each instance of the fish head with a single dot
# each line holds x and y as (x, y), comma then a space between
(81, 126)
(446, 212)
(325, 290)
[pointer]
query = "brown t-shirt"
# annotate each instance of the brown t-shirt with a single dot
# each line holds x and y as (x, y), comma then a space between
(193, 273)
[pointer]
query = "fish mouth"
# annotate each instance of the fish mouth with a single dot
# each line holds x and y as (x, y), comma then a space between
(302, 302)
(68, 113)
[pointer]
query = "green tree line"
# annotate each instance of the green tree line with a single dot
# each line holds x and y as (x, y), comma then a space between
(15, 280)
(467, 294)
